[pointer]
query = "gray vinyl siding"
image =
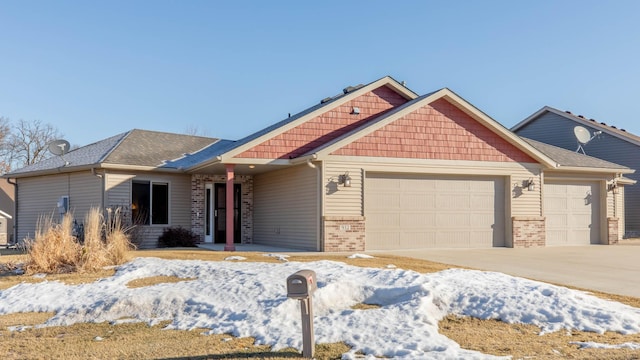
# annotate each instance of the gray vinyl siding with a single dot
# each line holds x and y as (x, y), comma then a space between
(286, 208)
(556, 130)
(38, 196)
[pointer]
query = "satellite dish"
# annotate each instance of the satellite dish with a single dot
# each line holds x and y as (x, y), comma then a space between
(59, 147)
(583, 135)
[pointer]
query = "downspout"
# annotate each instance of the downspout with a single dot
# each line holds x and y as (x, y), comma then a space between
(102, 186)
(318, 205)
(15, 210)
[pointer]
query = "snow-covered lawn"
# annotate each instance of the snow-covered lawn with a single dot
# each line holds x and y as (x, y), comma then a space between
(249, 299)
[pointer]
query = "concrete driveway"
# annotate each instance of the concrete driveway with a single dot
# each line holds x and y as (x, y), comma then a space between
(609, 268)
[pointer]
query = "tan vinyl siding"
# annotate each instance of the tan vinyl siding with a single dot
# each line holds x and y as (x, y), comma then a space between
(118, 191)
(523, 201)
(85, 193)
(38, 197)
(341, 200)
(286, 208)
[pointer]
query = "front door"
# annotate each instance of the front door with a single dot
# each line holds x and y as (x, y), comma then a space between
(218, 202)
(208, 213)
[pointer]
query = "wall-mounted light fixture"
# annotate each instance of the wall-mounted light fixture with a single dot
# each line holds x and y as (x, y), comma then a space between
(613, 187)
(355, 110)
(530, 184)
(344, 180)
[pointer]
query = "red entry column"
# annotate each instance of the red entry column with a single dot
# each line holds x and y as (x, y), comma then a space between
(229, 245)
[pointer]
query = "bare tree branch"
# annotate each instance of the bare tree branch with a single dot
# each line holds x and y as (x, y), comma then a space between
(25, 143)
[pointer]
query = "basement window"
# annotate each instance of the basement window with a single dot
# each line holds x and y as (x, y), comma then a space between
(150, 203)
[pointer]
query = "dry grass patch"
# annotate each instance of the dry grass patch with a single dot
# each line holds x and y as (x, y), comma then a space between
(523, 341)
(139, 341)
(24, 319)
(11, 279)
(155, 280)
(363, 306)
(378, 261)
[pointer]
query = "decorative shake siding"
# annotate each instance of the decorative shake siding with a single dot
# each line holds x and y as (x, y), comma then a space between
(198, 203)
(436, 131)
(83, 188)
(286, 208)
(330, 125)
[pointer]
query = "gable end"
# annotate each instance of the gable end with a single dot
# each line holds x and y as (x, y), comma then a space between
(438, 130)
(327, 126)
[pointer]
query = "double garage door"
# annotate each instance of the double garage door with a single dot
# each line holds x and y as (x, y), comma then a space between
(572, 212)
(417, 211)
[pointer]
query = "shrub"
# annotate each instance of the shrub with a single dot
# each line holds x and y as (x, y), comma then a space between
(55, 249)
(177, 237)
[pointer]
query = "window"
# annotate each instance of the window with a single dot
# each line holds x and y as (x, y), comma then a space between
(150, 203)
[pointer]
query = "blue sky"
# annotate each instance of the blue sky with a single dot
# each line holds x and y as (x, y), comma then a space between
(95, 69)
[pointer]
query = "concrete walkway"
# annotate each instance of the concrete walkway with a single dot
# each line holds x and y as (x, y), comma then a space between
(613, 269)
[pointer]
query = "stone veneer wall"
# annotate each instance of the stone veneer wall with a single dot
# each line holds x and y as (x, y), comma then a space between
(344, 233)
(198, 182)
(613, 231)
(529, 231)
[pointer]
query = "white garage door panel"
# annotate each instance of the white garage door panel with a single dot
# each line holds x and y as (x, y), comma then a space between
(410, 211)
(572, 213)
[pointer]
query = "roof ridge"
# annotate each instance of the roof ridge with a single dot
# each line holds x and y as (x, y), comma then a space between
(115, 146)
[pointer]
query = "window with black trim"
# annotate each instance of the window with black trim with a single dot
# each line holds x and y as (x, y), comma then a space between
(150, 202)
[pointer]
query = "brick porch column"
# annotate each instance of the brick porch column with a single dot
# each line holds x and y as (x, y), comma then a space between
(229, 246)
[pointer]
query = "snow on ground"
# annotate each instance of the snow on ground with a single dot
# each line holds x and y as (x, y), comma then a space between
(249, 299)
(360, 256)
(594, 345)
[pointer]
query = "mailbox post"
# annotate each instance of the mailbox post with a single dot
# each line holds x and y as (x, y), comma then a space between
(301, 286)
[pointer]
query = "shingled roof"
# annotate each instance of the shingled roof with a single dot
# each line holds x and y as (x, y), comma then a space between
(567, 158)
(136, 147)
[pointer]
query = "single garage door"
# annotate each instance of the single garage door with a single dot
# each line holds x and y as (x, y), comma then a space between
(417, 211)
(572, 213)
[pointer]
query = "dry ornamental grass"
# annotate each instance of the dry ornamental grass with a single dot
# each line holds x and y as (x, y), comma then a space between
(56, 249)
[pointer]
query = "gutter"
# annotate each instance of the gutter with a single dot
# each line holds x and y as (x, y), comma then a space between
(102, 185)
(319, 246)
(306, 158)
(592, 170)
(215, 160)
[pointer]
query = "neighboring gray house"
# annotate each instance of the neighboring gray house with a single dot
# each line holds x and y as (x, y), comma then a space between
(375, 167)
(556, 127)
